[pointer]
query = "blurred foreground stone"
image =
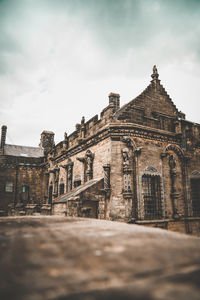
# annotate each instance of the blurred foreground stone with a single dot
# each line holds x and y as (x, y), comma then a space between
(68, 258)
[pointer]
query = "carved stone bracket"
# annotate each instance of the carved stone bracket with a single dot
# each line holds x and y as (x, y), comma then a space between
(138, 150)
(127, 140)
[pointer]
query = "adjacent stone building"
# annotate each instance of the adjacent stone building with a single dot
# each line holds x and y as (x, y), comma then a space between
(139, 163)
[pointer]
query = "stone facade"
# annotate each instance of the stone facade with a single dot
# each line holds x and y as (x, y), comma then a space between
(139, 163)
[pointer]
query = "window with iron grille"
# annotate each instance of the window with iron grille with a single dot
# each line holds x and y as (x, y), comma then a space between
(9, 186)
(151, 196)
(195, 196)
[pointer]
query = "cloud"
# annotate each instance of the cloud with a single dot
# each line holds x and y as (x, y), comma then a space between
(57, 56)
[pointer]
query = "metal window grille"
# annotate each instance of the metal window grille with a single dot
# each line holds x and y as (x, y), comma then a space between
(195, 196)
(152, 197)
(9, 187)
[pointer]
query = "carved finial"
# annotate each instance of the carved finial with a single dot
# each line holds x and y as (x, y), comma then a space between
(155, 74)
(83, 120)
(65, 136)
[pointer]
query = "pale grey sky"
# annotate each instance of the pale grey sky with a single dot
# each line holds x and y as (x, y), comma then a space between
(59, 59)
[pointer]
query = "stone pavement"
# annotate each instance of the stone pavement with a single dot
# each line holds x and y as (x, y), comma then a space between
(67, 258)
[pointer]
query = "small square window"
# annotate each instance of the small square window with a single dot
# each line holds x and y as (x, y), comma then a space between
(23, 189)
(9, 187)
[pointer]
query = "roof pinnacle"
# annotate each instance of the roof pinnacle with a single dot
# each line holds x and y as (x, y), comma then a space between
(155, 74)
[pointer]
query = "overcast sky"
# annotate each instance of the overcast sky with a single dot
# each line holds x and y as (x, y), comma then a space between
(59, 59)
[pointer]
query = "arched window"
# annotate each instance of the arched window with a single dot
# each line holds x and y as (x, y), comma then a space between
(151, 196)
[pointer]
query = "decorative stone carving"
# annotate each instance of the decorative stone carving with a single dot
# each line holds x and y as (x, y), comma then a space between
(47, 184)
(127, 140)
(87, 160)
(129, 154)
(83, 128)
(196, 173)
(106, 177)
(174, 194)
(155, 74)
(69, 174)
(126, 157)
(89, 157)
(175, 149)
(65, 140)
(56, 172)
(131, 144)
(151, 169)
(127, 170)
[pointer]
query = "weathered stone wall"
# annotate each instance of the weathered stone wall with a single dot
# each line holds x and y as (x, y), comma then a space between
(117, 205)
(7, 174)
(149, 161)
(102, 155)
(192, 172)
(89, 203)
(60, 209)
(188, 226)
(22, 172)
(34, 179)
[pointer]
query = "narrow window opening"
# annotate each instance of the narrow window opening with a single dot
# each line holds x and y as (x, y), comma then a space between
(77, 183)
(152, 197)
(62, 188)
(9, 187)
(50, 193)
(195, 196)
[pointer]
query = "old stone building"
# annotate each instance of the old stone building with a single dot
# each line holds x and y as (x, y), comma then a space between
(136, 163)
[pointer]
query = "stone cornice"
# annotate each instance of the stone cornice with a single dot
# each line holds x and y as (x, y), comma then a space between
(118, 130)
(22, 165)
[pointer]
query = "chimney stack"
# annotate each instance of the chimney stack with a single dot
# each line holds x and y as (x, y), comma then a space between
(47, 141)
(3, 135)
(114, 101)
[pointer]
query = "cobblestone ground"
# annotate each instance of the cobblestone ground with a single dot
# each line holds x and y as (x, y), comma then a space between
(68, 258)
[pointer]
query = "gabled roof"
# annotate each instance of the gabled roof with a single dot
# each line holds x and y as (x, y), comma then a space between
(78, 190)
(154, 86)
(23, 151)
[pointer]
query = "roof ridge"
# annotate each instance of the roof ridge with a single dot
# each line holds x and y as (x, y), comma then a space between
(24, 146)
